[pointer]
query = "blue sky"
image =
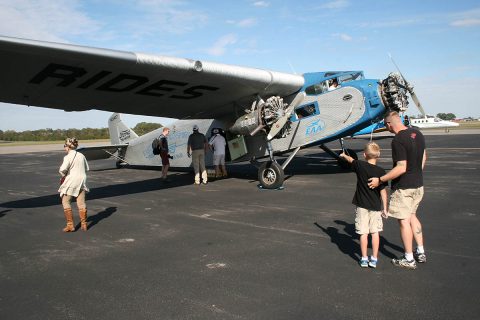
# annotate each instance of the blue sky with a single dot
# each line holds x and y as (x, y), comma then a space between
(435, 43)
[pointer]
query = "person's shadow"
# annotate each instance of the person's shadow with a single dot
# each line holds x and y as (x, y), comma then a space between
(2, 213)
(347, 243)
(93, 220)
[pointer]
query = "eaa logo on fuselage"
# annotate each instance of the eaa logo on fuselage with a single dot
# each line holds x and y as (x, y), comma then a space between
(314, 127)
(73, 76)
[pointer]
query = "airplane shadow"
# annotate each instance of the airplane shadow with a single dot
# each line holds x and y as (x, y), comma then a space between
(349, 244)
(105, 192)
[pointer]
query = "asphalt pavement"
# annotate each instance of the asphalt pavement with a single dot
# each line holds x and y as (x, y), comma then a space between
(228, 250)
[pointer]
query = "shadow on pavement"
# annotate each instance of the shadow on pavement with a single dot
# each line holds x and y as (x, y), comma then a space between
(348, 243)
(105, 192)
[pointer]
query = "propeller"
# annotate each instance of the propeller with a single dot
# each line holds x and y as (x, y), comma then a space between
(409, 89)
(278, 125)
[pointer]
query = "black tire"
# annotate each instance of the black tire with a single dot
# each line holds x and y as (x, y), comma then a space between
(343, 163)
(118, 164)
(270, 175)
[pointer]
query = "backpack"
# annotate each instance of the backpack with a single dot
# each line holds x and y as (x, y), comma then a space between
(156, 146)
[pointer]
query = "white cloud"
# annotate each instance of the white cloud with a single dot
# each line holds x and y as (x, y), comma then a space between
(264, 4)
(171, 16)
(465, 23)
(470, 18)
(343, 36)
(49, 20)
(245, 23)
(220, 46)
(336, 4)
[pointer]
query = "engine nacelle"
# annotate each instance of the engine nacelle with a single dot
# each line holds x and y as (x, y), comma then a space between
(246, 123)
(262, 116)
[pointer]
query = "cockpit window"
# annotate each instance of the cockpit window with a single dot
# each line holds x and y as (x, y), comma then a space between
(317, 88)
(350, 77)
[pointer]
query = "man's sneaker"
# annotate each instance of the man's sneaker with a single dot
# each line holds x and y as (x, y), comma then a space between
(420, 257)
(363, 263)
(404, 263)
(372, 263)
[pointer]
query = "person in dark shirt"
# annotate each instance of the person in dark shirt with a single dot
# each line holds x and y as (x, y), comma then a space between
(164, 155)
(371, 204)
(409, 157)
(197, 147)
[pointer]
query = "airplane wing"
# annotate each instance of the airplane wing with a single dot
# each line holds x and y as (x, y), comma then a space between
(77, 78)
(101, 152)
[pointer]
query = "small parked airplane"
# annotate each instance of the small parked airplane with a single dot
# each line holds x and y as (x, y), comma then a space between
(263, 112)
(423, 123)
(432, 122)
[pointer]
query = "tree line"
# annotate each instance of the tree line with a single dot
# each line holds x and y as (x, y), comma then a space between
(60, 134)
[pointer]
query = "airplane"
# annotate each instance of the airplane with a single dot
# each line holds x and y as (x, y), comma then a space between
(426, 122)
(264, 113)
(432, 122)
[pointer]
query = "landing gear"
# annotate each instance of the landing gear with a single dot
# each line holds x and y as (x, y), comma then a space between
(341, 162)
(271, 175)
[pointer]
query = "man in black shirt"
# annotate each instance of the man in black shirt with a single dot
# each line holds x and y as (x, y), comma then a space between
(164, 155)
(371, 203)
(409, 156)
(197, 147)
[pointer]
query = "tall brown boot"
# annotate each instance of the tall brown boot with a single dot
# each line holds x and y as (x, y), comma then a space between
(83, 219)
(69, 217)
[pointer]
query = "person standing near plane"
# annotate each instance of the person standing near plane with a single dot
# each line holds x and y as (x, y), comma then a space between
(164, 155)
(196, 148)
(371, 204)
(73, 184)
(409, 157)
(217, 143)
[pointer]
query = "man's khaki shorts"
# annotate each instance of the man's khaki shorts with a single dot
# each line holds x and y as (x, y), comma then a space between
(368, 221)
(405, 202)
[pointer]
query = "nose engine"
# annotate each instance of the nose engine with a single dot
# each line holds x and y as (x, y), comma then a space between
(394, 92)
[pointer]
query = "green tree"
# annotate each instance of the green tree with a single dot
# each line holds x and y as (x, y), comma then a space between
(145, 127)
(446, 116)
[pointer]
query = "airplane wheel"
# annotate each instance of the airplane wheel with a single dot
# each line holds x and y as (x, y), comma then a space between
(344, 164)
(118, 164)
(270, 175)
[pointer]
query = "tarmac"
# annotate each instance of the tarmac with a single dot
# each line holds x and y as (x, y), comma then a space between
(228, 250)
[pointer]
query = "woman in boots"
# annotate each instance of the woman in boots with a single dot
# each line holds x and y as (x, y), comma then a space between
(73, 184)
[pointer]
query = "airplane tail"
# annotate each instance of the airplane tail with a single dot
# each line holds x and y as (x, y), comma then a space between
(119, 132)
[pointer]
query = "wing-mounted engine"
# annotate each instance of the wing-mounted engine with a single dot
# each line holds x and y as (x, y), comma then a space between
(394, 92)
(271, 116)
(261, 117)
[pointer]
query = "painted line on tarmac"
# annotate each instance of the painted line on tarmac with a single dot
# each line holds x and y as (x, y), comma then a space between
(207, 217)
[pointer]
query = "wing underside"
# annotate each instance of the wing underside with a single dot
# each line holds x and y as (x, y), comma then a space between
(75, 78)
(102, 152)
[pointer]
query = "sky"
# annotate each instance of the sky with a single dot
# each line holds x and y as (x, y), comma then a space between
(435, 43)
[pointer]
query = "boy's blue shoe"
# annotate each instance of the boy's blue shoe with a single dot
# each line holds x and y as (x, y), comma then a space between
(363, 263)
(372, 263)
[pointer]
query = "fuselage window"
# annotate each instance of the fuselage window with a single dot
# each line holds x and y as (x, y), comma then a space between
(306, 111)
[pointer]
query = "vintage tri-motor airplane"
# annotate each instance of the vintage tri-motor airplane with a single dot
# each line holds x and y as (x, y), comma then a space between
(263, 112)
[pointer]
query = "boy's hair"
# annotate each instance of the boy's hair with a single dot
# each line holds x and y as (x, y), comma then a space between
(372, 150)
